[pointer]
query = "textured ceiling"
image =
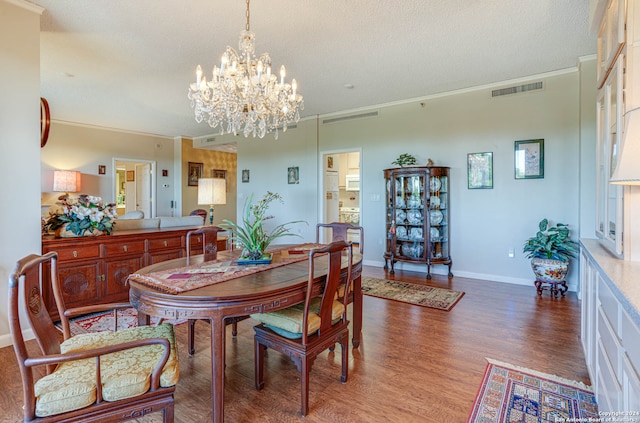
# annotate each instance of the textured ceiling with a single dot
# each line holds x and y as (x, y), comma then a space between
(126, 64)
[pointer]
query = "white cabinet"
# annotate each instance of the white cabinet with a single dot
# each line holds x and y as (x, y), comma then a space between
(610, 337)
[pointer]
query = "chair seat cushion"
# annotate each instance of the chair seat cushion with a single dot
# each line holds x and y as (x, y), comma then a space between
(288, 322)
(125, 374)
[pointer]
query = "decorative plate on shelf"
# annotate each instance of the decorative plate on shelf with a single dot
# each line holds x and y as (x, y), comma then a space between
(434, 202)
(414, 217)
(415, 233)
(401, 215)
(400, 202)
(434, 234)
(434, 184)
(435, 217)
(401, 232)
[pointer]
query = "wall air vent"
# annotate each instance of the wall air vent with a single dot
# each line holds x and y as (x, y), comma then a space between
(516, 90)
(350, 117)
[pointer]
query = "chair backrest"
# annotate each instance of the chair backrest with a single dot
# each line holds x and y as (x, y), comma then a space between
(199, 212)
(339, 231)
(28, 271)
(209, 242)
(333, 253)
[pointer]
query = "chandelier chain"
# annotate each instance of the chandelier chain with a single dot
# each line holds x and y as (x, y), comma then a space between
(248, 28)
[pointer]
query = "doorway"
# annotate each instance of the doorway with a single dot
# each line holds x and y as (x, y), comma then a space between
(340, 191)
(133, 186)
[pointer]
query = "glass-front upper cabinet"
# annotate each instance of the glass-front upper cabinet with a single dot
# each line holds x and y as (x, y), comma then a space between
(610, 106)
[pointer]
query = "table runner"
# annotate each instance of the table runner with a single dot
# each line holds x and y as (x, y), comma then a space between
(187, 278)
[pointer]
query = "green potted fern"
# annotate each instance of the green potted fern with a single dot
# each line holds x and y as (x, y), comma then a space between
(550, 251)
(251, 236)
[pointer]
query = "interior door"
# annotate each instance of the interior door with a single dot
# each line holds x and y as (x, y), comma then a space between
(143, 188)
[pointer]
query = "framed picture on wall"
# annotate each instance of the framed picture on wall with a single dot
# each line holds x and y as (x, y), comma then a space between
(529, 159)
(131, 175)
(293, 175)
(195, 173)
(245, 175)
(480, 170)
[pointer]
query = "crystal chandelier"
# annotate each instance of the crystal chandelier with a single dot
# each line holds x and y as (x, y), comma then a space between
(243, 95)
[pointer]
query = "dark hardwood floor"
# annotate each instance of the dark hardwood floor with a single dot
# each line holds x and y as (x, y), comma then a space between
(415, 364)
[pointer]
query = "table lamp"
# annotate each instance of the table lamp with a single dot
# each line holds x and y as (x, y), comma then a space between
(212, 191)
(66, 181)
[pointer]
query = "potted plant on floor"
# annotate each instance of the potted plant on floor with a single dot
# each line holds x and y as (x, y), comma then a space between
(550, 251)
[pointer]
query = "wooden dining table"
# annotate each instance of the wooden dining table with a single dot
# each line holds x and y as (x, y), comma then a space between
(263, 291)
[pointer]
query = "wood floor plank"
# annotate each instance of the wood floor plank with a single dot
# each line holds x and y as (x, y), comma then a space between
(415, 364)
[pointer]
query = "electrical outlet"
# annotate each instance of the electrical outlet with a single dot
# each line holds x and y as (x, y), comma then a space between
(512, 253)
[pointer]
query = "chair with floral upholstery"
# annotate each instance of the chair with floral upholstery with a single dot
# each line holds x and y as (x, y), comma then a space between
(305, 330)
(97, 377)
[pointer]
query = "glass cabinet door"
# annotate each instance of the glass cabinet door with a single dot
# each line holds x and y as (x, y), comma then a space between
(609, 123)
(409, 215)
(439, 216)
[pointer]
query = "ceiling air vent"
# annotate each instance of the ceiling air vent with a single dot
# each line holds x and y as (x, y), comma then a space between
(350, 117)
(516, 90)
(212, 139)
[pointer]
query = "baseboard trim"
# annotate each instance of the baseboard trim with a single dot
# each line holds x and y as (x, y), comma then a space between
(443, 270)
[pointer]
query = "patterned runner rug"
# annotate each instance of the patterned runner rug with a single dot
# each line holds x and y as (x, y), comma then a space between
(513, 394)
(426, 296)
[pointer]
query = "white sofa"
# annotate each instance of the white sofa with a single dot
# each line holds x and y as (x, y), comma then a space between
(157, 222)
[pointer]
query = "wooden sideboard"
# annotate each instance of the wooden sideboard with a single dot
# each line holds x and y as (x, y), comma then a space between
(94, 270)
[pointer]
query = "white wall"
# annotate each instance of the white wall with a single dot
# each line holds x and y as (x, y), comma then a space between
(485, 224)
(83, 148)
(19, 141)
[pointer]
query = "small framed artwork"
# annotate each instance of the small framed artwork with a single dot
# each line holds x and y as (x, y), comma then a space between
(529, 159)
(329, 162)
(480, 170)
(102, 169)
(220, 174)
(195, 173)
(293, 175)
(131, 176)
(245, 175)
(165, 172)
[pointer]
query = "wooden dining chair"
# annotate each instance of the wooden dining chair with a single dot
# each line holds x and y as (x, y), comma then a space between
(208, 242)
(210, 251)
(340, 231)
(305, 330)
(97, 377)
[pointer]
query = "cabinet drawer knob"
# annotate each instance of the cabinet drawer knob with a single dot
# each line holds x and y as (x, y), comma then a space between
(124, 247)
(75, 254)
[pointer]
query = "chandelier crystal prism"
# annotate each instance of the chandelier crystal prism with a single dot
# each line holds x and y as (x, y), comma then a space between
(243, 95)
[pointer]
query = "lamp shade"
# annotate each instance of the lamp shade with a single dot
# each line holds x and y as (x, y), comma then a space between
(66, 180)
(212, 191)
(627, 171)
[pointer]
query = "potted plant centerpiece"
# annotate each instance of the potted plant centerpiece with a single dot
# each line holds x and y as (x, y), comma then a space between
(250, 235)
(550, 252)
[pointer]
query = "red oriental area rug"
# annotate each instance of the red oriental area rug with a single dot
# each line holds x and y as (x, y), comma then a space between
(514, 394)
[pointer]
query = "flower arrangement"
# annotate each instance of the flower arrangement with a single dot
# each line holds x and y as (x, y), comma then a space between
(251, 235)
(84, 217)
